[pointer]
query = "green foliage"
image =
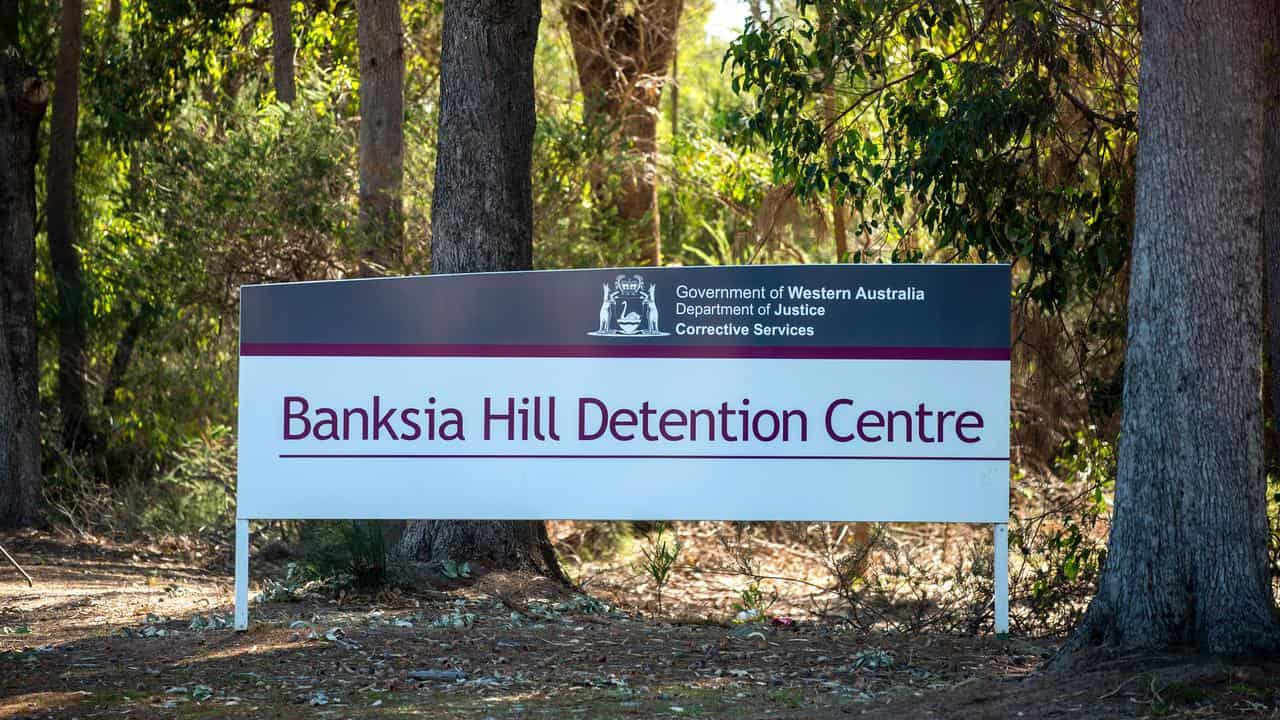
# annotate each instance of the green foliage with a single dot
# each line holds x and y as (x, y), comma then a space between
(576, 173)
(1063, 550)
(133, 81)
(707, 188)
(268, 182)
(197, 494)
(754, 603)
(960, 128)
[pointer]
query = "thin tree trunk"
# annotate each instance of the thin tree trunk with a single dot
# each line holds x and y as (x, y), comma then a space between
(829, 115)
(675, 231)
(62, 222)
(113, 16)
(380, 35)
(838, 226)
(22, 103)
(482, 220)
(1187, 558)
(638, 204)
(675, 90)
(282, 50)
(124, 354)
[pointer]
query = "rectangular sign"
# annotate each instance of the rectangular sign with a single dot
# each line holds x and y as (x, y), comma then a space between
(827, 392)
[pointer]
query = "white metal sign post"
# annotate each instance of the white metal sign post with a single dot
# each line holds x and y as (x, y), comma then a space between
(880, 392)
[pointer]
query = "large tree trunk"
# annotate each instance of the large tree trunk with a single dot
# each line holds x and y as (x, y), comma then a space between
(1187, 557)
(62, 221)
(482, 220)
(482, 209)
(380, 35)
(282, 50)
(22, 102)
(623, 51)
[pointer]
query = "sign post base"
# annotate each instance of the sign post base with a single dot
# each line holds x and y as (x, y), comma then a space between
(1001, 562)
(242, 574)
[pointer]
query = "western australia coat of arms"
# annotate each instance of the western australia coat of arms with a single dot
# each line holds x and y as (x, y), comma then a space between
(628, 309)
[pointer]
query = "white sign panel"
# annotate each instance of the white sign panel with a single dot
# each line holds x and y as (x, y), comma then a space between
(835, 392)
(619, 438)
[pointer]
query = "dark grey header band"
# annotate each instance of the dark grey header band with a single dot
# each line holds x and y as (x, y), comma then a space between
(801, 306)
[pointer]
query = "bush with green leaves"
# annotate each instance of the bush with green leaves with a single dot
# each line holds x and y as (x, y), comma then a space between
(753, 603)
(1062, 549)
(198, 492)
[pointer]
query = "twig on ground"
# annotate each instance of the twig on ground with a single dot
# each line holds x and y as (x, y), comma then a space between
(15, 564)
(1120, 687)
(516, 605)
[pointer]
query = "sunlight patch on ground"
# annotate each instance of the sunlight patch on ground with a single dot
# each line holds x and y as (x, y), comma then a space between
(24, 705)
(261, 646)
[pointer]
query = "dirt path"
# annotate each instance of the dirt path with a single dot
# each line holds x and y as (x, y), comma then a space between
(140, 631)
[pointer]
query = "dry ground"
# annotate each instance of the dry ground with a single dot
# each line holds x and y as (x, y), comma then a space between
(114, 630)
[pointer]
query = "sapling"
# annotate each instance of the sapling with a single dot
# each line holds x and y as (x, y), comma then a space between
(660, 560)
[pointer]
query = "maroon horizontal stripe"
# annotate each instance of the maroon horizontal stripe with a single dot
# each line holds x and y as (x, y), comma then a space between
(636, 350)
(483, 456)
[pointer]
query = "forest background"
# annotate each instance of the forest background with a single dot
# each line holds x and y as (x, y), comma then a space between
(220, 143)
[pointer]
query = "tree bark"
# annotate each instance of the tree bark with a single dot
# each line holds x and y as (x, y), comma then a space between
(623, 52)
(482, 209)
(1271, 228)
(638, 204)
(23, 97)
(61, 211)
(482, 220)
(1187, 557)
(675, 90)
(282, 50)
(380, 35)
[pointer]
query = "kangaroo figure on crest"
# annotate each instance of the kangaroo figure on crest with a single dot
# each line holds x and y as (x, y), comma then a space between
(651, 304)
(604, 310)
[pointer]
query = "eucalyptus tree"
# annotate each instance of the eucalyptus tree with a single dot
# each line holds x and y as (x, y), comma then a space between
(482, 221)
(23, 97)
(62, 230)
(282, 74)
(623, 52)
(1010, 131)
(1187, 559)
(380, 33)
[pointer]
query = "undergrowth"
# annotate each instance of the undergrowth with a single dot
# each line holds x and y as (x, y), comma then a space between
(882, 578)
